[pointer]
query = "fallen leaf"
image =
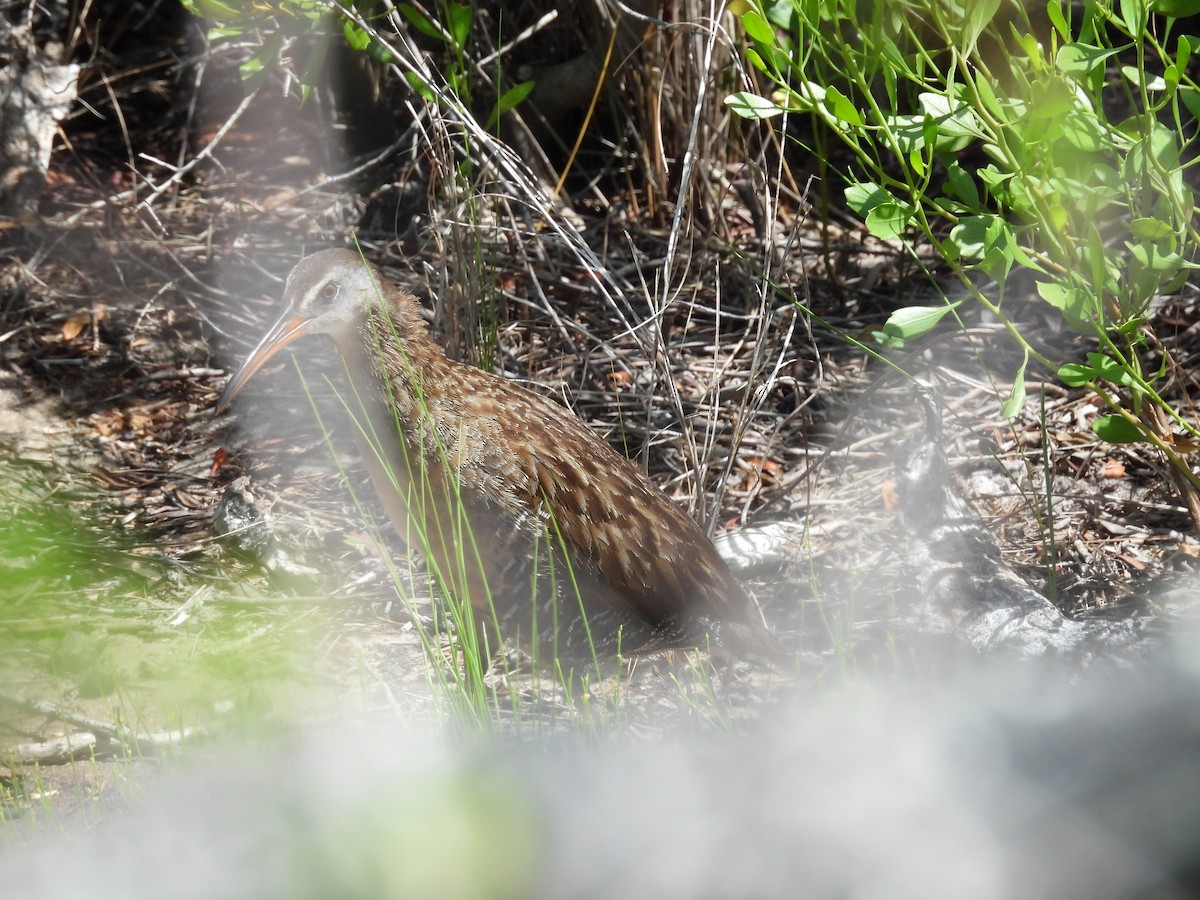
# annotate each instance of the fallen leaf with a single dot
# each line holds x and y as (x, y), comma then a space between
(72, 328)
(767, 469)
(218, 460)
(890, 495)
(1133, 562)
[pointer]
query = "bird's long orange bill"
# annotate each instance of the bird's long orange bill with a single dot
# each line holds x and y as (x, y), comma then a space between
(289, 327)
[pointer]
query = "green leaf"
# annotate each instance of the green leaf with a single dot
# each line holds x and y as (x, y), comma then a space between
(513, 96)
(251, 66)
(1075, 374)
(863, 196)
(1176, 9)
(972, 236)
(422, 87)
(458, 22)
(909, 132)
(781, 13)
(885, 215)
(507, 101)
(1109, 369)
(991, 240)
(1117, 430)
(963, 186)
(213, 9)
(917, 161)
(1080, 59)
(988, 98)
(1191, 99)
(1083, 132)
(1183, 51)
(993, 177)
(1055, 14)
(758, 28)
(929, 133)
(888, 220)
(979, 15)
(1055, 98)
(752, 106)
(224, 31)
(841, 108)
(380, 53)
(1165, 146)
(757, 61)
(954, 118)
(356, 38)
(1074, 303)
(1150, 81)
(1150, 257)
(1058, 218)
(1134, 14)
(1016, 397)
(1150, 229)
(418, 21)
(1033, 49)
(913, 321)
(897, 60)
(1171, 76)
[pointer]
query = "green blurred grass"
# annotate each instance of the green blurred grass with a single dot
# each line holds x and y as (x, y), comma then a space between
(90, 618)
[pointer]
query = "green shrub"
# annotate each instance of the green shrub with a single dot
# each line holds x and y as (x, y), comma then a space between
(1077, 125)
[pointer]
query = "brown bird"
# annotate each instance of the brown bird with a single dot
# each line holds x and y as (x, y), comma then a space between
(556, 541)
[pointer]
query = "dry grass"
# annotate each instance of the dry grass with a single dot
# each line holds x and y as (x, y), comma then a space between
(679, 294)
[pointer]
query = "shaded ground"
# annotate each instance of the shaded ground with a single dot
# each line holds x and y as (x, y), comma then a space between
(123, 309)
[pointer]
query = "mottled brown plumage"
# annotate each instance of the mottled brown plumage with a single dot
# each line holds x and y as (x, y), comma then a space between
(516, 504)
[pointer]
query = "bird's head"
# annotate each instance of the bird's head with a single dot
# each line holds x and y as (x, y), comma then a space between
(329, 292)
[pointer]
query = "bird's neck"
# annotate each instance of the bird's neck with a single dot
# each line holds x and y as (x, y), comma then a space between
(378, 426)
(401, 387)
(385, 356)
(406, 364)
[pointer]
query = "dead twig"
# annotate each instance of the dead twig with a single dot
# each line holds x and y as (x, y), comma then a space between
(111, 737)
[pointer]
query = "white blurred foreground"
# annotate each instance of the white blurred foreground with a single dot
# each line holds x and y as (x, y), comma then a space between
(989, 784)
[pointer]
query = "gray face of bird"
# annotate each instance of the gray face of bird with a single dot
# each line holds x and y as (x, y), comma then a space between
(326, 293)
(331, 291)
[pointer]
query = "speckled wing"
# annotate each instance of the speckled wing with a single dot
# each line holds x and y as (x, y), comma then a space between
(557, 517)
(653, 560)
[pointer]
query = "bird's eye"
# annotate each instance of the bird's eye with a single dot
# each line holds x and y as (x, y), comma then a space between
(329, 291)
